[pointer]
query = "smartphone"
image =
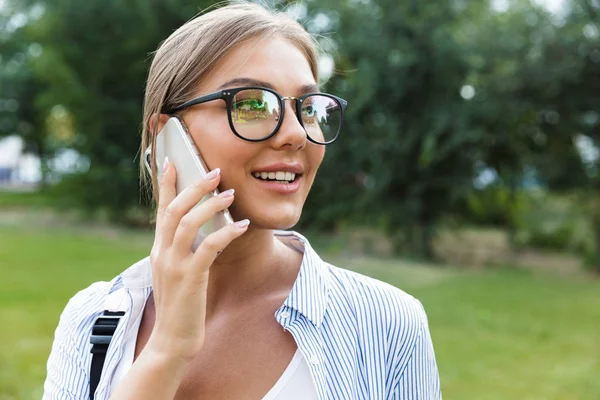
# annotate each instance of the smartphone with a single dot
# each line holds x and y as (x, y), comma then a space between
(175, 142)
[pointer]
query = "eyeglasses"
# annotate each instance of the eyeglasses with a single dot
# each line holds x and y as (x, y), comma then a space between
(256, 113)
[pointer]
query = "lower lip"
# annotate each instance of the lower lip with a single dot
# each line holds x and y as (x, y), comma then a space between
(283, 188)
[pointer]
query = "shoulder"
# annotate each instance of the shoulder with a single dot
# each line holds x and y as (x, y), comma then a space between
(69, 360)
(90, 299)
(374, 296)
(384, 319)
(82, 309)
(381, 315)
(87, 304)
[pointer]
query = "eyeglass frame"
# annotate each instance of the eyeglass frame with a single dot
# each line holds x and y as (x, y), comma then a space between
(228, 94)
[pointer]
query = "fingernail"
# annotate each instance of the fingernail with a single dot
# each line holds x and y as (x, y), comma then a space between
(242, 224)
(213, 174)
(166, 164)
(227, 193)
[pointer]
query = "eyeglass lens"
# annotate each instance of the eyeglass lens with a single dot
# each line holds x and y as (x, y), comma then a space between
(255, 114)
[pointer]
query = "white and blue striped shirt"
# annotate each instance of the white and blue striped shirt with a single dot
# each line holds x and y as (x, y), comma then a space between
(363, 338)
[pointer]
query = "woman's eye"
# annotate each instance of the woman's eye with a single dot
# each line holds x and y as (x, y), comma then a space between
(250, 105)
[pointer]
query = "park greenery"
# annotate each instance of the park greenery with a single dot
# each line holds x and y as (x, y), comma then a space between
(476, 116)
(499, 333)
(460, 112)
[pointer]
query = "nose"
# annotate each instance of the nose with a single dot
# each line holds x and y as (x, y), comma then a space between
(291, 134)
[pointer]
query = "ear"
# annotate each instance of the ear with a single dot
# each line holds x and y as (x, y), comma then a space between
(161, 119)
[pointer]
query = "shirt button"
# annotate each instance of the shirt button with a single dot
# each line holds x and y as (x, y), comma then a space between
(285, 314)
(314, 359)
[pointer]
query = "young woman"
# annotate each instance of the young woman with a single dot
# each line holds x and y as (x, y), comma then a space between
(253, 313)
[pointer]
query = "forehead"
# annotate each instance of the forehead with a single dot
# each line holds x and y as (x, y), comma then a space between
(274, 60)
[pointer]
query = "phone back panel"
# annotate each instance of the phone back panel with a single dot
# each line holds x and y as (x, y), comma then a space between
(174, 141)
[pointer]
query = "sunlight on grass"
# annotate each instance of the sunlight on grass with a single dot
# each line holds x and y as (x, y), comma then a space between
(498, 334)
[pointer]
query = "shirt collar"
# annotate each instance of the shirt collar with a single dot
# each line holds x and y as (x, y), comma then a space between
(308, 295)
(310, 291)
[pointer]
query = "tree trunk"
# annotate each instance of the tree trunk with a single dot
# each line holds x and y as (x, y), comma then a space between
(42, 150)
(595, 257)
(594, 210)
(427, 231)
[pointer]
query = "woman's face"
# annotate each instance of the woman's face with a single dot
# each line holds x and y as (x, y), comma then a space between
(271, 62)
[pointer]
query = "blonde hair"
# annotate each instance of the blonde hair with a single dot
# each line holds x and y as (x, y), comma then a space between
(190, 53)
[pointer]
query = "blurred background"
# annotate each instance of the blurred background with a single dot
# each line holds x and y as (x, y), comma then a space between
(467, 173)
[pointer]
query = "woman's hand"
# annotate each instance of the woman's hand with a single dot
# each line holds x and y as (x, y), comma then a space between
(180, 281)
(180, 276)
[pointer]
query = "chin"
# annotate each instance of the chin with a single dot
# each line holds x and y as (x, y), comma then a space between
(274, 218)
(287, 224)
(280, 222)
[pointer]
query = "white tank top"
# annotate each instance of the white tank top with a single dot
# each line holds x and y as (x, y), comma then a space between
(295, 383)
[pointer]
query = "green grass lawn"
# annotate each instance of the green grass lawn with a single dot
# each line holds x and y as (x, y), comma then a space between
(498, 334)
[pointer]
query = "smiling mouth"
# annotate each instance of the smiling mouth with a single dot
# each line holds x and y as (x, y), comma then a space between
(279, 176)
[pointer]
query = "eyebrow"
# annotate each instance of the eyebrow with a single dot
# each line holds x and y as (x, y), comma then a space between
(309, 88)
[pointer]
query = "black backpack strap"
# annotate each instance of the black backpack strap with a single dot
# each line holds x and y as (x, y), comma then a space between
(102, 333)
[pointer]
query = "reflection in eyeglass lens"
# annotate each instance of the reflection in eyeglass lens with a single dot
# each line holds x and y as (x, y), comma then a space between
(321, 117)
(254, 113)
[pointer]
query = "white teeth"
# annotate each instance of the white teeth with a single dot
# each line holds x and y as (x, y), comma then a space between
(279, 175)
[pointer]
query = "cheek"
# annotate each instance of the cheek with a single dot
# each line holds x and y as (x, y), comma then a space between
(224, 150)
(215, 141)
(315, 155)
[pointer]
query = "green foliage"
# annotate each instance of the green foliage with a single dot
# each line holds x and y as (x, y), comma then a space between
(25, 199)
(95, 62)
(535, 218)
(412, 145)
(497, 206)
(19, 85)
(436, 90)
(555, 222)
(406, 153)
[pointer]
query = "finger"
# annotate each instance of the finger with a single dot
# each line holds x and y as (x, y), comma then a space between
(217, 241)
(191, 222)
(184, 202)
(166, 193)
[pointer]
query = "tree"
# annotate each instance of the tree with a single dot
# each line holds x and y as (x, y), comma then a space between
(407, 150)
(19, 86)
(537, 81)
(95, 60)
(571, 161)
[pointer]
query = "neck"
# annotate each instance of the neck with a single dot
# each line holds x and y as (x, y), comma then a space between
(254, 265)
